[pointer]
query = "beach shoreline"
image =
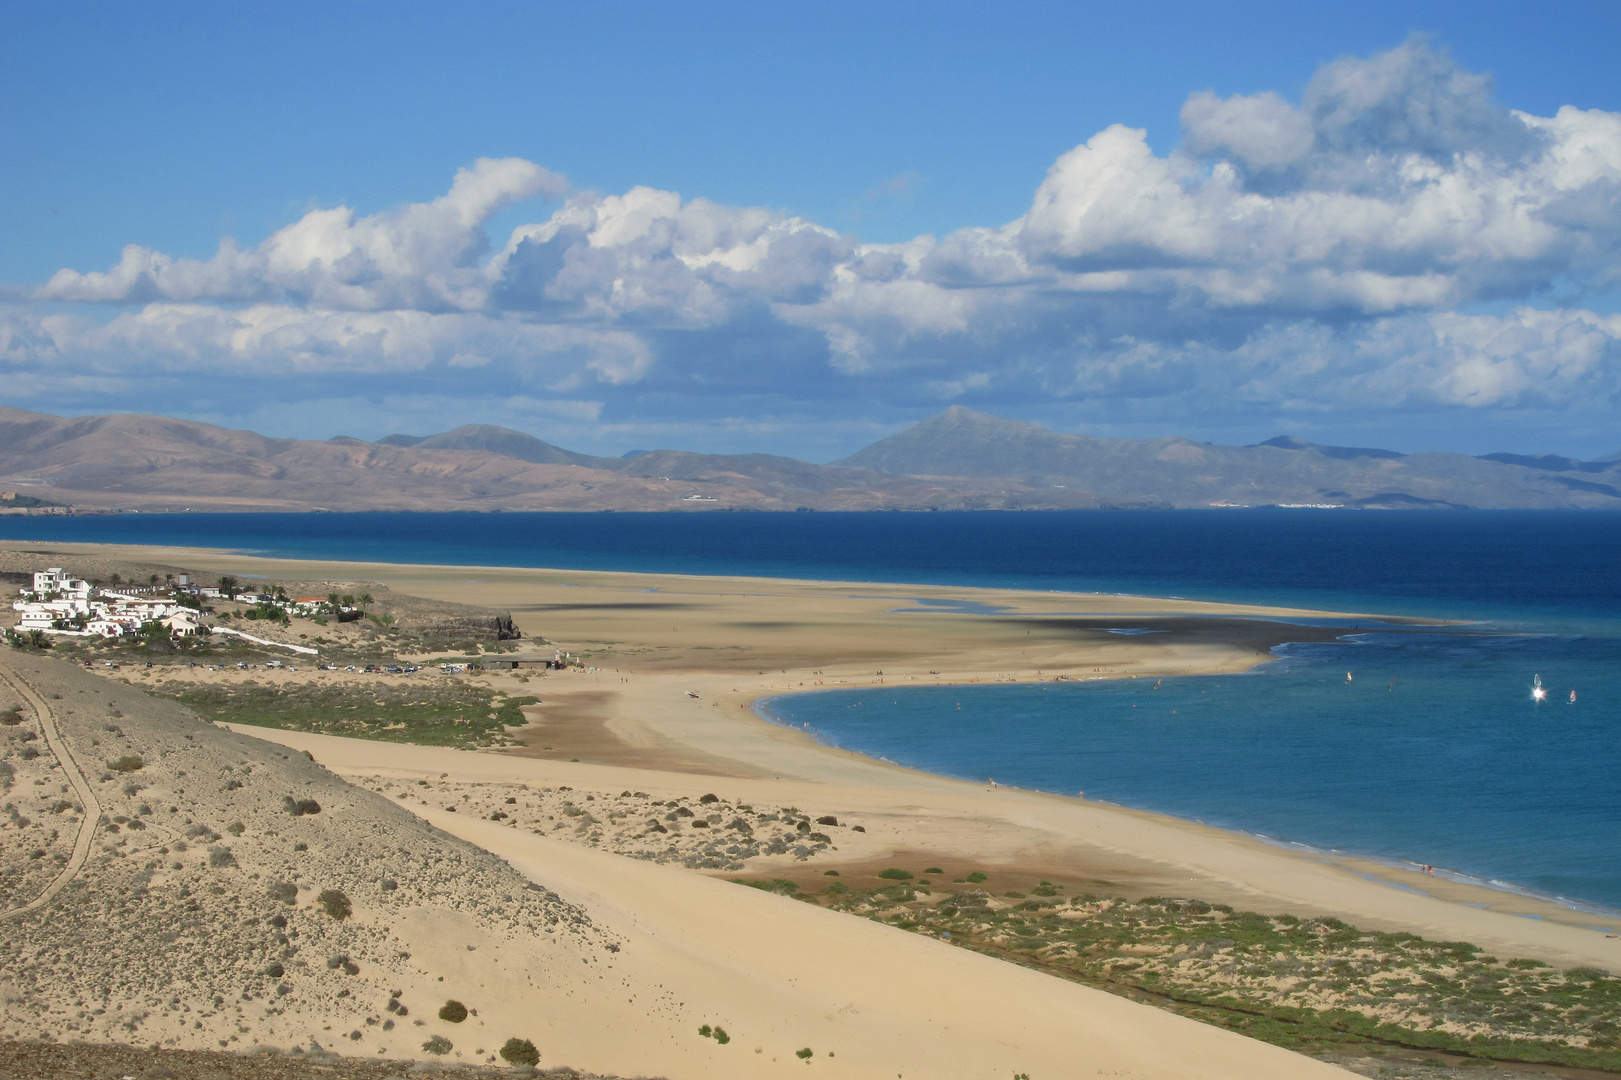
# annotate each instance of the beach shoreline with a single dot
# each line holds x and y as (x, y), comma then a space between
(1395, 871)
(654, 640)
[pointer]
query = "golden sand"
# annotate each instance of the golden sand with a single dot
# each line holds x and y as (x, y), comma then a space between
(652, 642)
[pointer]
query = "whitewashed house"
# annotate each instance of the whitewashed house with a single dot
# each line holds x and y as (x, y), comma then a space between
(57, 580)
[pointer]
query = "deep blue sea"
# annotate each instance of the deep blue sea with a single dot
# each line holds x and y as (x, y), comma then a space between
(1435, 752)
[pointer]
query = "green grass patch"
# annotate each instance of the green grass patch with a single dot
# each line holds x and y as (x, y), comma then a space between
(1315, 985)
(449, 715)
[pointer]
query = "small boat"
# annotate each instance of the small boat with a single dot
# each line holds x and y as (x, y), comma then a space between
(1537, 691)
(1572, 698)
(1347, 676)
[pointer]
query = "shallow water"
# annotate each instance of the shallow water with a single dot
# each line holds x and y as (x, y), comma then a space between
(1434, 752)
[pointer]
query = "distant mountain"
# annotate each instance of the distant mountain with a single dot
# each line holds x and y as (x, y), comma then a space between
(1552, 462)
(955, 461)
(153, 463)
(1344, 453)
(497, 440)
(1176, 472)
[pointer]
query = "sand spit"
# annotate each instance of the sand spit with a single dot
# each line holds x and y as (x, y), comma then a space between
(650, 640)
(664, 709)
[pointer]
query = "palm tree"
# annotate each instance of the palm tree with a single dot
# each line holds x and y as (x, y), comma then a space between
(229, 587)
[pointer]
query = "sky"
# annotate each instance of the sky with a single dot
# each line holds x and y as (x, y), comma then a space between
(799, 227)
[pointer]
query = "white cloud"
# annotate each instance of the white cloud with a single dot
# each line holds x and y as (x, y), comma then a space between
(648, 258)
(1306, 256)
(422, 256)
(1261, 131)
(278, 342)
(1528, 359)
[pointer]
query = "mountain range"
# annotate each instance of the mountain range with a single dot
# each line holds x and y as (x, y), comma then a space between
(957, 460)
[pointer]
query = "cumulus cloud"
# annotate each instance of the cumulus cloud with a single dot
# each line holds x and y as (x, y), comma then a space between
(1336, 252)
(423, 256)
(1260, 131)
(648, 258)
(273, 343)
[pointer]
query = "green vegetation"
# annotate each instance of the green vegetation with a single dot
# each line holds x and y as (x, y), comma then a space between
(804, 1054)
(520, 1052)
(28, 639)
(453, 714)
(453, 1012)
(717, 1033)
(1307, 984)
(438, 1045)
(335, 904)
(895, 874)
(127, 763)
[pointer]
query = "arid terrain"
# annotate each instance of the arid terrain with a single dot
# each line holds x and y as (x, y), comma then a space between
(216, 890)
(310, 866)
(958, 460)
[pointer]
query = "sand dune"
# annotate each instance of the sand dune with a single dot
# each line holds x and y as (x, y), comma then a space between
(780, 975)
(682, 950)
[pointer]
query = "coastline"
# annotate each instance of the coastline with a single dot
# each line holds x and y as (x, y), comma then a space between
(1391, 870)
(664, 643)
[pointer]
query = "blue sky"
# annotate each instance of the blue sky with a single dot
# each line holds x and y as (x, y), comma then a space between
(797, 228)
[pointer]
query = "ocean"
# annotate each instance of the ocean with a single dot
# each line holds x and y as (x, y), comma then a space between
(1433, 752)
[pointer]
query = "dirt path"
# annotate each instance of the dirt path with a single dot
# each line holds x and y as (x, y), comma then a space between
(81, 787)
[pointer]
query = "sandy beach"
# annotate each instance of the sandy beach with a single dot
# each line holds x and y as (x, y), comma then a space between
(650, 639)
(664, 706)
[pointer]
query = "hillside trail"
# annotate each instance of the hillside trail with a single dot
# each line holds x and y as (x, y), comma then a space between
(81, 787)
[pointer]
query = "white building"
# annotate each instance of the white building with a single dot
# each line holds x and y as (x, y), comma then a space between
(185, 621)
(113, 614)
(57, 580)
